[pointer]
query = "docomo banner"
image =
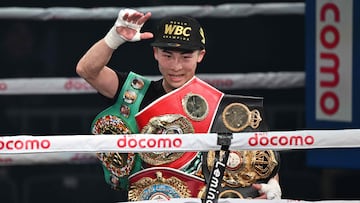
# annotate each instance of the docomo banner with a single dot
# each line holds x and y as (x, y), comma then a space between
(334, 48)
(179, 142)
(332, 75)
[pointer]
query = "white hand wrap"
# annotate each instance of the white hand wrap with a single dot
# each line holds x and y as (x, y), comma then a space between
(121, 22)
(271, 189)
(113, 39)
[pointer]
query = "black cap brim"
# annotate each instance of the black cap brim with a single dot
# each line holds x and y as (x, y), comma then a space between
(175, 46)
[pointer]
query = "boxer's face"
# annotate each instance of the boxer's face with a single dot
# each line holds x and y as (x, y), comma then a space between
(177, 67)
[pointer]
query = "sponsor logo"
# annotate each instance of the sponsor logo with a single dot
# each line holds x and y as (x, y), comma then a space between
(24, 144)
(276, 140)
(83, 157)
(3, 86)
(6, 160)
(171, 29)
(77, 85)
(149, 142)
(220, 83)
(216, 176)
(334, 54)
(332, 70)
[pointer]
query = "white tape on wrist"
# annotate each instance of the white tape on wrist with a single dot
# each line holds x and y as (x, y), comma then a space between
(121, 22)
(113, 39)
(271, 189)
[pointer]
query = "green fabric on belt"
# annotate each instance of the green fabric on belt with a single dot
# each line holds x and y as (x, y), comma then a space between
(130, 88)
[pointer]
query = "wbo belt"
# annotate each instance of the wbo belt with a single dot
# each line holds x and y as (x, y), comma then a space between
(188, 109)
(162, 183)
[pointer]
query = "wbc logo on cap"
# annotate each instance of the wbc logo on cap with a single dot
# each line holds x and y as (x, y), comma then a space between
(202, 36)
(177, 30)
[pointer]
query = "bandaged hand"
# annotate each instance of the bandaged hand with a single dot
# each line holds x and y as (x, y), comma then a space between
(127, 28)
(269, 190)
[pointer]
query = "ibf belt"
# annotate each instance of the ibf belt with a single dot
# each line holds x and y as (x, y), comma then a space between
(188, 109)
(242, 114)
(160, 183)
(120, 119)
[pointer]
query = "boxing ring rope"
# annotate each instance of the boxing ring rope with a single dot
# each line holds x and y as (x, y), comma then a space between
(270, 80)
(274, 140)
(229, 10)
(233, 200)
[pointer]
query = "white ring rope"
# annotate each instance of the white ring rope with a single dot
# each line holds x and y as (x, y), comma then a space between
(270, 80)
(229, 10)
(27, 149)
(237, 200)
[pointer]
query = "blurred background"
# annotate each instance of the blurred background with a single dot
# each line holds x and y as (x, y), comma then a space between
(52, 48)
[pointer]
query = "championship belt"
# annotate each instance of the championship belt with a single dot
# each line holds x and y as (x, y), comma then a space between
(244, 168)
(239, 114)
(162, 183)
(188, 109)
(120, 119)
(242, 114)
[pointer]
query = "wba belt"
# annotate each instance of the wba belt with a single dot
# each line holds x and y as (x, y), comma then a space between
(238, 113)
(188, 109)
(120, 119)
(162, 183)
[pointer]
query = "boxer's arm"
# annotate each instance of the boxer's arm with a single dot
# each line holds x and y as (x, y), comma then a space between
(92, 66)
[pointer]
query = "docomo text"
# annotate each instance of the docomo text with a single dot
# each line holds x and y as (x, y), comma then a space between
(149, 142)
(31, 144)
(275, 140)
(3, 86)
(330, 17)
(77, 84)
(258, 139)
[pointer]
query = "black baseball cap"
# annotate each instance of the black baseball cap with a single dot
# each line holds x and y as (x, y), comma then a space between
(179, 32)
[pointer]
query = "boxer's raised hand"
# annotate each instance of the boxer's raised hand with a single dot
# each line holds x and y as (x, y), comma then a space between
(127, 28)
